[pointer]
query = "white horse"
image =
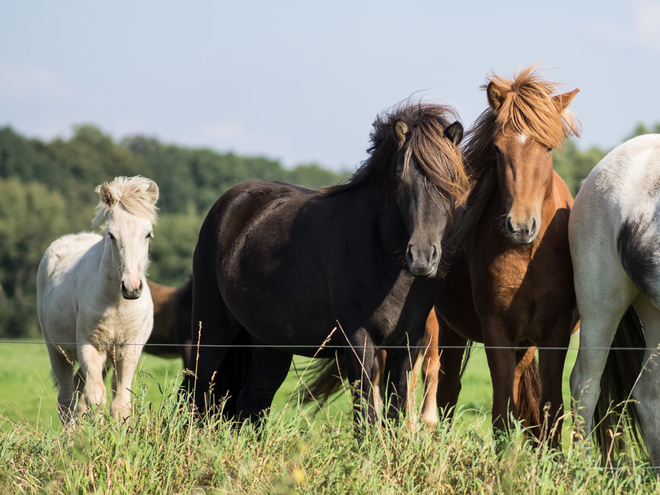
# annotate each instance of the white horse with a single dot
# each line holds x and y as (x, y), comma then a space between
(93, 301)
(614, 236)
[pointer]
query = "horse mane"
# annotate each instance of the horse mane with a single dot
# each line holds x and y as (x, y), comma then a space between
(131, 196)
(528, 109)
(443, 170)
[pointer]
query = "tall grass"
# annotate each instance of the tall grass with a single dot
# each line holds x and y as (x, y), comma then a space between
(297, 449)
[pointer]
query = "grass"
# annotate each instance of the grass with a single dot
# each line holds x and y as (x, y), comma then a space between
(298, 449)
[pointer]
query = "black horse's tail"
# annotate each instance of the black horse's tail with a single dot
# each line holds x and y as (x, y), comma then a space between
(615, 414)
(327, 376)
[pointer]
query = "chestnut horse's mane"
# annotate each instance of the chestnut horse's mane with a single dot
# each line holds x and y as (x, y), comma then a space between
(426, 121)
(528, 109)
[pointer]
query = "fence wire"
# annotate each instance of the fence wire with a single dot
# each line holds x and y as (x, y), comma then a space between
(333, 346)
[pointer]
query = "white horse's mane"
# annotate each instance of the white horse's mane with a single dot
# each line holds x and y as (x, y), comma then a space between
(131, 195)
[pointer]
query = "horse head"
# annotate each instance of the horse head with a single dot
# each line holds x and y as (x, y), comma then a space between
(431, 180)
(128, 208)
(528, 123)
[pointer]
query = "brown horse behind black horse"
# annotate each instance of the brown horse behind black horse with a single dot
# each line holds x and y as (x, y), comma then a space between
(171, 335)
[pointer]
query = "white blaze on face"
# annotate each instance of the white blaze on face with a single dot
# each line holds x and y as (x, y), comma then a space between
(522, 138)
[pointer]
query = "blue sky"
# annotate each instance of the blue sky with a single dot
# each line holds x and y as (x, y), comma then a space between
(303, 81)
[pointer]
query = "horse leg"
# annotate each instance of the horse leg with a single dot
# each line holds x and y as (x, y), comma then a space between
(62, 368)
(551, 368)
(430, 371)
(397, 370)
(378, 380)
(126, 363)
(646, 392)
(451, 347)
(598, 326)
(411, 396)
(359, 361)
(213, 331)
(268, 371)
(92, 362)
(502, 363)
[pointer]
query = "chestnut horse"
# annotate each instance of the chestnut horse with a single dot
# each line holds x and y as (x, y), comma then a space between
(171, 336)
(510, 281)
(285, 265)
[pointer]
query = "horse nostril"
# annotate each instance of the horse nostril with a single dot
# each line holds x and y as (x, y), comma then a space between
(533, 228)
(509, 225)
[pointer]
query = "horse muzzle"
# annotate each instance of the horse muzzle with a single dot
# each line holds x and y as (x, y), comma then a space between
(423, 262)
(522, 233)
(131, 293)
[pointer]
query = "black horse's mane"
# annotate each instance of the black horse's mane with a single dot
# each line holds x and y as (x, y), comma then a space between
(439, 160)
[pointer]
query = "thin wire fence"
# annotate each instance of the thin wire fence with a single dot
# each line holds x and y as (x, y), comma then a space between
(331, 346)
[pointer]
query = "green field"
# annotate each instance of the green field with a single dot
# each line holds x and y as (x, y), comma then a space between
(297, 450)
(27, 394)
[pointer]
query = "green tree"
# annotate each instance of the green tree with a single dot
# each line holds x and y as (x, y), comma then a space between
(574, 165)
(641, 128)
(31, 217)
(175, 237)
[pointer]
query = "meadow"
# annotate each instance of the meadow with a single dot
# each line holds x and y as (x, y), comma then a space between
(300, 449)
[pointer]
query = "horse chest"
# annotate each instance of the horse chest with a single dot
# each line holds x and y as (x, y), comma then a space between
(525, 289)
(116, 324)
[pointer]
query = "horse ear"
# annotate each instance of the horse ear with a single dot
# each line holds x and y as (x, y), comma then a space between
(107, 196)
(401, 131)
(152, 192)
(496, 95)
(563, 100)
(455, 133)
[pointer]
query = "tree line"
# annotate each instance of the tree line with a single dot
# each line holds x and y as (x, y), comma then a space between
(47, 190)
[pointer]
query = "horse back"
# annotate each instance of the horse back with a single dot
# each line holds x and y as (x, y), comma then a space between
(617, 210)
(56, 284)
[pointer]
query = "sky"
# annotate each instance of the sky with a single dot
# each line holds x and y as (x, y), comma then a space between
(302, 82)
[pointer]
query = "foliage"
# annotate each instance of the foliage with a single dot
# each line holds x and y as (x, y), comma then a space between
(175, 237)
(47, 189)
(30, 217)
(574, 165)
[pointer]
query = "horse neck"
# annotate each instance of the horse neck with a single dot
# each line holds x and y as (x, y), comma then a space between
(108, 271)
(374, 207)
(384, 212)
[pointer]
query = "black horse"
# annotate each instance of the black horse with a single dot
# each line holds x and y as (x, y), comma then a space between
(280, 265)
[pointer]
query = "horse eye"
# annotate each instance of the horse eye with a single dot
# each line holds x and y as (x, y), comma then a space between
(149, 235)
(111, 236)
(497, 150)
(549, 150)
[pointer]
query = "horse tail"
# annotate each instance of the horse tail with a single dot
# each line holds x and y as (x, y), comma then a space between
(615, 413)
(528, 394)
(327, 376)
(467, 353)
